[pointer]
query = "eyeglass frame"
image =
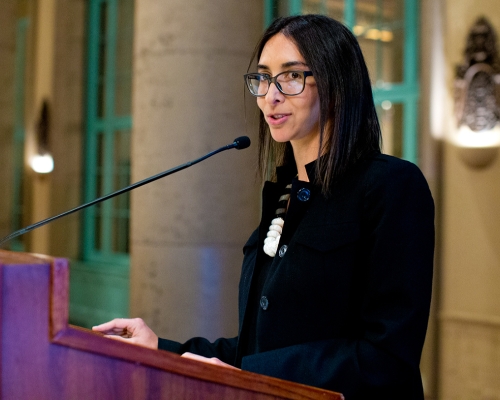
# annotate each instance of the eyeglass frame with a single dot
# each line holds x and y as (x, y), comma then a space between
(273, 79)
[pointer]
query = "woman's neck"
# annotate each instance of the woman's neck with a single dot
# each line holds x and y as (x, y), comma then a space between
(304, 155)
(301, 170)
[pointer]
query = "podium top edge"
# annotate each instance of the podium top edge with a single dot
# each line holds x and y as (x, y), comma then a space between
(17, 258)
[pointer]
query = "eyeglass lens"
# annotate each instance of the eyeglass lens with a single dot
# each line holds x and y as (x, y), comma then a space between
(289, 82)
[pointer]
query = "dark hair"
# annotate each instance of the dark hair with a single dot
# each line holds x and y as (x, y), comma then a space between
(349, 127)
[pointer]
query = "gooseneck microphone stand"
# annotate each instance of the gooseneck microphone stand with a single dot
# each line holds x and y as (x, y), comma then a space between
(239, 143)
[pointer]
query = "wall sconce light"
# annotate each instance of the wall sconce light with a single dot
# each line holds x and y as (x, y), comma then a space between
(42, 162)
(477, 97)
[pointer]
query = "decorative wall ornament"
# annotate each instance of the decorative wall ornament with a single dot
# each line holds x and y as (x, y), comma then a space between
(42, 162)
(477, 84)
(477, 93)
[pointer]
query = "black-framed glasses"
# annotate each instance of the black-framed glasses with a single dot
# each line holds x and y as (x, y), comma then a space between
(290, 83)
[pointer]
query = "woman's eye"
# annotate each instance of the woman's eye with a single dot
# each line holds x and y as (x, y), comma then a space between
(290, 76)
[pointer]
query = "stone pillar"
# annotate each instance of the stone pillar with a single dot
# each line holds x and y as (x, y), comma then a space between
(188, 99)
(432, 120)
(43, 90)
(67, 131)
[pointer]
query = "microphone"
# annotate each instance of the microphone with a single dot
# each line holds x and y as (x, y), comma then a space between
(242, 142)
(239, 143)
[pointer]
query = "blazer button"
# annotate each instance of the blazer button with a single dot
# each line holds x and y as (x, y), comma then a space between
(283, 250)
(264, 303)
(304, 194)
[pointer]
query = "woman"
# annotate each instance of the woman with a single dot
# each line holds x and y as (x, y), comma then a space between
(336, 281)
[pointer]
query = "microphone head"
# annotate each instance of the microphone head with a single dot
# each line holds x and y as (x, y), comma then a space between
(241, 142)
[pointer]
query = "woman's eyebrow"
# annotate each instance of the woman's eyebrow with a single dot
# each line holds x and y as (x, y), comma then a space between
(284, 65)
(293, 64)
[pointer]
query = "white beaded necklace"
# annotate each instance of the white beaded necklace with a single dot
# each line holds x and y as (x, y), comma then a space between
(276, 227)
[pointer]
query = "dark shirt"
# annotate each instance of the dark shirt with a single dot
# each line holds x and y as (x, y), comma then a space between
(262, 271)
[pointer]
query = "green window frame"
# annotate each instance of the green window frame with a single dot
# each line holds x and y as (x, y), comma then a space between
(17, 244)
(99, 281)
(108, 126)
(403, 95)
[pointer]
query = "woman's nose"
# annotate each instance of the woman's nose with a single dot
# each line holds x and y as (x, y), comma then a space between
(273, 95)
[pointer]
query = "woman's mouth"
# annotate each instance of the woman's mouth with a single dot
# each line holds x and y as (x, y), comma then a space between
(276, 119)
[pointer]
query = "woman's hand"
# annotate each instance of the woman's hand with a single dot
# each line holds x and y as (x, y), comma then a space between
(213, 360)
(132, 330)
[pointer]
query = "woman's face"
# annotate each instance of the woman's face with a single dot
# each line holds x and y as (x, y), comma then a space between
(290, 118)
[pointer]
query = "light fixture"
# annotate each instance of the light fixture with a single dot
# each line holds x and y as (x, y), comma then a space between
(42, 162)
(386, 105)
(477, 97)
(383, 35)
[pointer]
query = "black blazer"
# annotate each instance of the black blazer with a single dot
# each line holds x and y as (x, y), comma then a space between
(348, 301)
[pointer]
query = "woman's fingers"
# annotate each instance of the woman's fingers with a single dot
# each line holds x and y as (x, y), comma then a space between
(115, 326)
(119, 338)
(213, 360)
(131, 330)
(197, 357)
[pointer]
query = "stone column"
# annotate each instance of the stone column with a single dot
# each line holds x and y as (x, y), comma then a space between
(43, 90)
(67, 129)
(188, 229)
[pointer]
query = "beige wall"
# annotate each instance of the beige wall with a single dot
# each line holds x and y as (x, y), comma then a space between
(67, 134)
(461, 357)
(188, 229)
(43, 21)
(470, 258)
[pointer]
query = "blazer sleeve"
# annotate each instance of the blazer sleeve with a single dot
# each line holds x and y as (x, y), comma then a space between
(223, 349)
(397, 219)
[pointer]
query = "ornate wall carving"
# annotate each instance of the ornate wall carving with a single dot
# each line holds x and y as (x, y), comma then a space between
(477, 85)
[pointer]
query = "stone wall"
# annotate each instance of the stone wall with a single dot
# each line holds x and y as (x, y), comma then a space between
(68, 134)
(470, 259)
(188, 230)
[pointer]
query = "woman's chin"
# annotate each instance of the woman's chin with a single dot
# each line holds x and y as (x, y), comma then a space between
(279, 137)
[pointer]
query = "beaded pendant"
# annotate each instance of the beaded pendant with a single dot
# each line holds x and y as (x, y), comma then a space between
(276, 228)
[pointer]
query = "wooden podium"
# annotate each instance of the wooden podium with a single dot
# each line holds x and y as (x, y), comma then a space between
(43, 357)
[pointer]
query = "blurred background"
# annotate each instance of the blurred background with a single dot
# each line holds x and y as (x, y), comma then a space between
(96, 94)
